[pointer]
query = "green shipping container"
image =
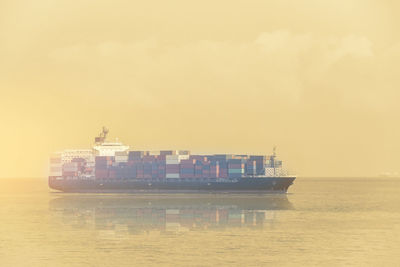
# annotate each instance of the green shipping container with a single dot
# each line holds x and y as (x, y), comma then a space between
(235, 170)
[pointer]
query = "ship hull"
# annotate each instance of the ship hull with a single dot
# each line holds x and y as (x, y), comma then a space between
(259, 184)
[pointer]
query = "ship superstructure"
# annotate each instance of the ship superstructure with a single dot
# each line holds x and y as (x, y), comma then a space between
(104, 148)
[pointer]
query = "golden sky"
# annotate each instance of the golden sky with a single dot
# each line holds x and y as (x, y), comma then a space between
(319, 79)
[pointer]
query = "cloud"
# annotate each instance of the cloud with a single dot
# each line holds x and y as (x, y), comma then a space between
(277, 66)
(316, 77)
(356, 46)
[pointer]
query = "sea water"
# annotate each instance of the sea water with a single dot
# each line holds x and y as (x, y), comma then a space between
(320, 222)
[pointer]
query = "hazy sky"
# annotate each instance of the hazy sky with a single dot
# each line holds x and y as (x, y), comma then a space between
(319, 79)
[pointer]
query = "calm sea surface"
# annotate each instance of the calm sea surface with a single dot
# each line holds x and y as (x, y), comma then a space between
(332, 222)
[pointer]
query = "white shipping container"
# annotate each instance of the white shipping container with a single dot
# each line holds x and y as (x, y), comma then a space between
(184, 157)
(172, 157)
(121, 158)
(69, 154)
(172, 161)
(175, 159)
(154, 153)
(172, 175)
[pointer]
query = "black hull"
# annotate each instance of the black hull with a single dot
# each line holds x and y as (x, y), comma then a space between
(259, 184)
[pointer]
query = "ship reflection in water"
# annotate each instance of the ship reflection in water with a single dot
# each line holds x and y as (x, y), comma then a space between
(113, 216)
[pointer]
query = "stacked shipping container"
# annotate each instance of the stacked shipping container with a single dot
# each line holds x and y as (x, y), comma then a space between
(235, 168)
(260, 164)
(187, 167)
(56, 165)
(164, 164)
(251, 168)
(103, 164)
(173, 165)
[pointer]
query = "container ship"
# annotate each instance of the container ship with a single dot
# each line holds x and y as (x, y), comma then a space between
(113, 167)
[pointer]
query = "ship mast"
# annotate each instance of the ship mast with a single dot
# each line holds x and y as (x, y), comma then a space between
(102, 136)
(273, 160)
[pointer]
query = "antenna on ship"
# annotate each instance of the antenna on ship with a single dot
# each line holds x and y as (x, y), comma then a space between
(273, 159)
(105, 132)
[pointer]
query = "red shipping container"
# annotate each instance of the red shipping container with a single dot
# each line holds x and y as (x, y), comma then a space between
(101, 174)
(172, 167)
(188, 161)
(198, 157)
(172, 170)
(161, 158)
(223, 173)
(149, 158)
